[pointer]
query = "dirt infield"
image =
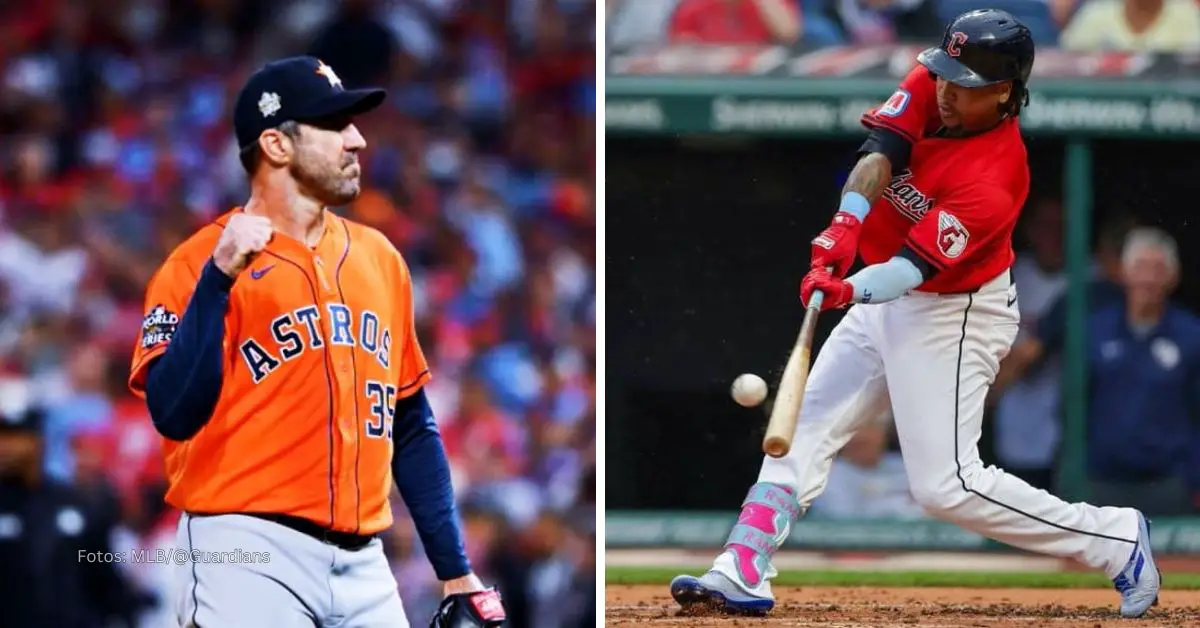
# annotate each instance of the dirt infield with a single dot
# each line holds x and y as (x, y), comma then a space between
(871, 607)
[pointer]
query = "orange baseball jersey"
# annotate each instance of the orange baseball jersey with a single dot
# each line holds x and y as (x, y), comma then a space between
(319, 343)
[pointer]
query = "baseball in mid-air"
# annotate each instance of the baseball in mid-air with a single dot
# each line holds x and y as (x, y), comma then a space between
(749, 390)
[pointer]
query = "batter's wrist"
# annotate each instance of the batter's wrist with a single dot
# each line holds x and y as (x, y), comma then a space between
(858, 295)
(855, 204)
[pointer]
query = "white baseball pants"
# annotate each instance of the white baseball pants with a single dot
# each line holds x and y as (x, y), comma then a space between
(932, 357)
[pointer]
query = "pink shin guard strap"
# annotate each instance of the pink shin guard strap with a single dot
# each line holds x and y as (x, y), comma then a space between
(775, 496)
(766, 517)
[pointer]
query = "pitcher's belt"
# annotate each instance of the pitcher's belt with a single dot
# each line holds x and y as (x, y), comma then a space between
(345, 540)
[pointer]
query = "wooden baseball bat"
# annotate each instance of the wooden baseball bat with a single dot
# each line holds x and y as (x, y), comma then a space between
(781, 428)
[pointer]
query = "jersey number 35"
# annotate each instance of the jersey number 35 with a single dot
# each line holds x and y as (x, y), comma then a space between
(383, 409)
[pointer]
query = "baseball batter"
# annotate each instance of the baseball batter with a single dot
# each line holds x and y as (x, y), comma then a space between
(279, 360)
(930, 207)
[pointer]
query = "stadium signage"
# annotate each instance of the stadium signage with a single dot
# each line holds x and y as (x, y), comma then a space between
(777, 91)
(881, 62)
(792, 112)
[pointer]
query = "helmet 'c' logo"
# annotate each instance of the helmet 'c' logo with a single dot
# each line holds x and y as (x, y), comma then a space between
(957, 39)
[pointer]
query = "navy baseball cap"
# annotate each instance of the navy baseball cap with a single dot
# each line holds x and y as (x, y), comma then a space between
(299, 89)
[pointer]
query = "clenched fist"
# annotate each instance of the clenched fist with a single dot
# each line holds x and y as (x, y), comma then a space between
(243, 238)
(838, 293)
(837, 245)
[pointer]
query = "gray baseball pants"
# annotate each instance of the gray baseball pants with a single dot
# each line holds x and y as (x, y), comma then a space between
(242, 571)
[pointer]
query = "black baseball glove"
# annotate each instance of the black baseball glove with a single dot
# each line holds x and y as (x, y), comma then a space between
(478, 609)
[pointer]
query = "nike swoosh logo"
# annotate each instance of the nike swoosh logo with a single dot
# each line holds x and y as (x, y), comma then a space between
(260, 273)
(1011, 301)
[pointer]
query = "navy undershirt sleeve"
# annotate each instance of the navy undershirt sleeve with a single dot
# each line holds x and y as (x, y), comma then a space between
(896, 147)
(422, 475)
(922, 264)
(182, 386)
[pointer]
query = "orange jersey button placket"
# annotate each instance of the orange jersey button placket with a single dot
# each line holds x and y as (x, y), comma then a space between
(346, 439)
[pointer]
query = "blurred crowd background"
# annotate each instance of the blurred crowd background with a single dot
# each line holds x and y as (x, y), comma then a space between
(1077, 25)
(480, 167)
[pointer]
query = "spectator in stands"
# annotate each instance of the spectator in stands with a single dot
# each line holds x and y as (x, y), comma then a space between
(1047, 336)
(1105, 285)
(1134, 25)
(40, 263)
(633, 22)
(548, 544)
(883, 21)
(1061, 12)
(1144, 387)
(1027, 423)
(44, 527)
(82, 404)
(760, 22)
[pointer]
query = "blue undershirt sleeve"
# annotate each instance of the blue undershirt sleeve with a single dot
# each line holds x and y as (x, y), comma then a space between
(422, 474)
(879, 283)
(182, 385)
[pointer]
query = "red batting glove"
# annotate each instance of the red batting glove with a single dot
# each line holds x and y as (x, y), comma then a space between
(838, 292)
(836, 246)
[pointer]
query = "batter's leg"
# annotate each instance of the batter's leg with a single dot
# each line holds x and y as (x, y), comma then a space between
(285, 585)
(940, 355)
(845, 389)
(364, 589)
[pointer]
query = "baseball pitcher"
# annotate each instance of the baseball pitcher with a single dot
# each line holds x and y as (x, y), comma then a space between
(279, 360)
(930, 208)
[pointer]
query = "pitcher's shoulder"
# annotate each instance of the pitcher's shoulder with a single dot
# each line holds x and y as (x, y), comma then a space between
(362, 234)
(195, 250)
(377, 244)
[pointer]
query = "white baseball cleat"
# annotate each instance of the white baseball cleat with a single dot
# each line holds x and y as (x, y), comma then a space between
(716, 591)
(1141, 579)
(739, 580)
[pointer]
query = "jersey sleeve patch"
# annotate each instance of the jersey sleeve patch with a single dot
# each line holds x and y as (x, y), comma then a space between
(895, 105)
(158, 326)
(952, 236)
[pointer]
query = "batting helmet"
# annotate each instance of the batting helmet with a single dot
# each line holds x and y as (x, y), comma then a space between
(982, 47)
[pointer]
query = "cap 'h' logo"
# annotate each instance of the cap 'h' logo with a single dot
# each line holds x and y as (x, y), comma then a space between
(957, 39)
(327, 72)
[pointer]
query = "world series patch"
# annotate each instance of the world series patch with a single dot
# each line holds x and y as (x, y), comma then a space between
(158, 326)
